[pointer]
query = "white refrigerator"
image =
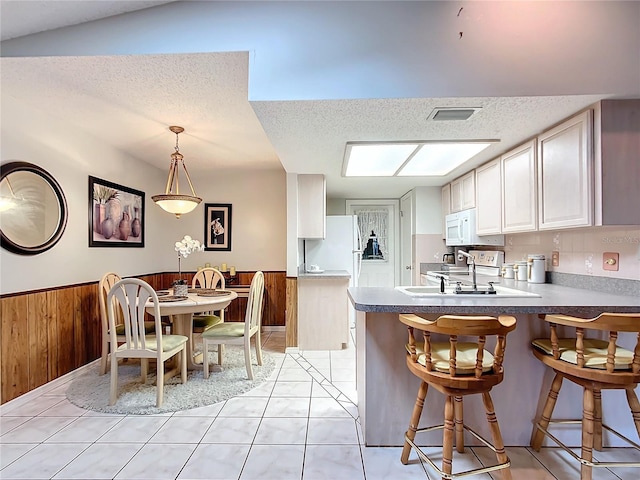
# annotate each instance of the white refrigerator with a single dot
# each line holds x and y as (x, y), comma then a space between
(341, 248)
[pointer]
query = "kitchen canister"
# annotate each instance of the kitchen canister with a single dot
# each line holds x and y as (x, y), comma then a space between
(536, 268)
(507, 270)
(520, 271)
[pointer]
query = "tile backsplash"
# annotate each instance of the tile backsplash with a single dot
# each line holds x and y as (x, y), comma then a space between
(580, 250)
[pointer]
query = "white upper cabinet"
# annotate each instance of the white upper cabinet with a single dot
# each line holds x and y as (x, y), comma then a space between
(617, 162)
(311, 206)
(489, 198)
(446, 206)
(519, 188)
(463, 192)
(565, 174)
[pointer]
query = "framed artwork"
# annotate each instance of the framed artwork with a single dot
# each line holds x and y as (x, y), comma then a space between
(116, 215)
(217, 226)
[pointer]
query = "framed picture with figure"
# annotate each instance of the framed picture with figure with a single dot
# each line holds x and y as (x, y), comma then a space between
(217, 226)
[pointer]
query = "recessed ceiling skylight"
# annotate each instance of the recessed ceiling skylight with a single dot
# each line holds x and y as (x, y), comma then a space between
(420, 158)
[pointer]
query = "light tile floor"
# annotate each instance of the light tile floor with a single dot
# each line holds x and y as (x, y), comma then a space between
(301, 424)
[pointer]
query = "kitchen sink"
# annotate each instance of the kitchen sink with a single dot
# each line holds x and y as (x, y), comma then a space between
(434, 291)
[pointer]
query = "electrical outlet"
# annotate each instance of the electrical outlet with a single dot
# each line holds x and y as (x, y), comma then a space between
(555, 259)
(610, 261)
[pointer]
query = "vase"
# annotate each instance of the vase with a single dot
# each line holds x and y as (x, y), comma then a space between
(136, 227)
(181, 290)
(99, 216)
(107, 228)
(114, 212)
(125, 226)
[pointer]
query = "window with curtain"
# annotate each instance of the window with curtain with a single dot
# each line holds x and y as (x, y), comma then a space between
(374, 231)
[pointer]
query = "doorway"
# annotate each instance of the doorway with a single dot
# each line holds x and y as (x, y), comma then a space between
(377, 221)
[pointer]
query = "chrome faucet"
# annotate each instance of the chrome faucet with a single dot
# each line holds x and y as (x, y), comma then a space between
(473, 267)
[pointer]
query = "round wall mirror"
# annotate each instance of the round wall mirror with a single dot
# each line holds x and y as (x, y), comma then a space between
(33, 210)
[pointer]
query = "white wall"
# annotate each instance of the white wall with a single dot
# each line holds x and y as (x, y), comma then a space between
(258, 208)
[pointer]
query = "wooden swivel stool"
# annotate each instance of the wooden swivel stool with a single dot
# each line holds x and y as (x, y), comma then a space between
(457, 369)
(595, 365)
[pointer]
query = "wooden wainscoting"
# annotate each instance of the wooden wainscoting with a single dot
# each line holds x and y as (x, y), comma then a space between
(47, 333)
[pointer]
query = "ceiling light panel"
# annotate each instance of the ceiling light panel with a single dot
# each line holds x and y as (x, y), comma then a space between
(441, 158)
(376, 160)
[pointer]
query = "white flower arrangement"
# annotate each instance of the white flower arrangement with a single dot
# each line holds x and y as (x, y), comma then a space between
(186, 247)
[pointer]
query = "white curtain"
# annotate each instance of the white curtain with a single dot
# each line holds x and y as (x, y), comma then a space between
(374, 219)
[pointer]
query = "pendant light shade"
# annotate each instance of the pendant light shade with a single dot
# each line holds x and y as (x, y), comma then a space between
(172, 200)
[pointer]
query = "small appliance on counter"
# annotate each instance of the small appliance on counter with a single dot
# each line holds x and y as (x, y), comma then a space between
(536, 270)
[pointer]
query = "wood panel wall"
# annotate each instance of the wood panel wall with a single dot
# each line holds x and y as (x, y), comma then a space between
(48, 333)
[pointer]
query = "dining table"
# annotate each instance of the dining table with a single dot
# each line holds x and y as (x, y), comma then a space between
(181, 311)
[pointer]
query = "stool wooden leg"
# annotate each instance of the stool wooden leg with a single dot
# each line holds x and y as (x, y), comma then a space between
(447, 436)
(415, 420)
(634, 405)
(597, 420)
(547, 411)
(459, 422)
(588, 409)
(498, 443)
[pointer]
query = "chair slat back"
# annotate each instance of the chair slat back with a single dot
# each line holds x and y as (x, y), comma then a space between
(454, 326)
(131, 296)
(253, 315)
(107, 281)
(606, 322)
(208, 277)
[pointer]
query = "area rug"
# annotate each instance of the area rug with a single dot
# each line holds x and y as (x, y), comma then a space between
(91, 390)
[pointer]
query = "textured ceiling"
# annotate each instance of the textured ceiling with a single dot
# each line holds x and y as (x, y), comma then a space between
(300, 84)
(40, 15)
(130, 101)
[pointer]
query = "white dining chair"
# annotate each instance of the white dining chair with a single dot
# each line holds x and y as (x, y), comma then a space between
(239, 333)
(107, 281)
(211, 278)
(131, 296)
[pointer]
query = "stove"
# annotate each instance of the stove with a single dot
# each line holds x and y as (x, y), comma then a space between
(488, 263)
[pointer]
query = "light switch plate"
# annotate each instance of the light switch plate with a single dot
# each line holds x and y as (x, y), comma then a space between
(610, 261)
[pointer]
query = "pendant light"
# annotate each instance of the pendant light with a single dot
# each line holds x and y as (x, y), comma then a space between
(173, 201)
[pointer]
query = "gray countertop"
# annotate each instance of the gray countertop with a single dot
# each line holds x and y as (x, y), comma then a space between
(326, 274)
(553, 299)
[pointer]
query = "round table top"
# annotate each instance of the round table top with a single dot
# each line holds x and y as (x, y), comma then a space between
(194, 303)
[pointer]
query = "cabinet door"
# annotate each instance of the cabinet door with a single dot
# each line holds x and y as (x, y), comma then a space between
(469, 190)
(456, 195)
(519, 208)
(565, 174)
(463, 192)
(489, 198)
(446, 206)
(311, 206)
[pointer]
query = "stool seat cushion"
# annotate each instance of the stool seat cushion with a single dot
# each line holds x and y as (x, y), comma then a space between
(465, 357)
(595, 352)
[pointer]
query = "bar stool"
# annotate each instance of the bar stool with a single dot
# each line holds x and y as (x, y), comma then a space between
(457, 369)
(595, 365)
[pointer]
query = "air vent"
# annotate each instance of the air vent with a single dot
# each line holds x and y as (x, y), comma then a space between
(452, 114)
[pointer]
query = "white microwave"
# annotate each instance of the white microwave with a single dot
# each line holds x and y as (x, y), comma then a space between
(461, 230)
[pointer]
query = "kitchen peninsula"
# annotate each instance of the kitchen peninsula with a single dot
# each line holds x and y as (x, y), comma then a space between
(387, 390)
(323, 310)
